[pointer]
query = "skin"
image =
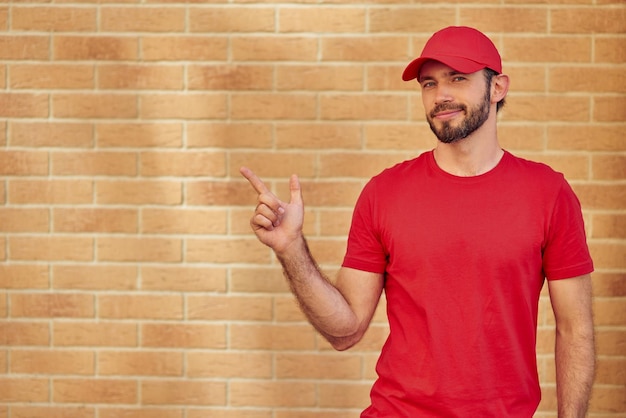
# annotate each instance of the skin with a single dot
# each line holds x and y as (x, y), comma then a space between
(342, 310)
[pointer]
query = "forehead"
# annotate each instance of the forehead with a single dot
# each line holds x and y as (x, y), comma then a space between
(436, 69)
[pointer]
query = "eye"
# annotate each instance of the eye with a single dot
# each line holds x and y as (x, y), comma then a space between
(427, 84)
(457, 78)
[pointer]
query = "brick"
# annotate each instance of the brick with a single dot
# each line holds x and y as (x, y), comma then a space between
(24, 333)
(99, 163)
(319, 77)
(246, 280)
(50, 191)
(183, 392)
(215, 193)
(184, 48)
(51, 362)
(94, 277)
(601, 196)
(24, 220)
(597, 80)
(23, 163)
(272, 337)
(276, 165)
(232, 19)
(185, 279)
(609, 167)
(94, 105)
(318, 135)
(272, 394)
(183, 221)
(229, 308)
(51, 134)
(226, 251)
(335, 222)
(95, 220)
(588, 20)
(51, 248)
(410, 18)
(4, 18)
(247, 365)
(607, 399)
(142, 19)
(273, 106)
(19, 276)
(138, 192)
(326, 192)
(229, 413)
(609, 255)
(553, 108)
(183, 335)
(586, 138)
(51, 76)
(609, 50)
(609, 226)
(102, 48)
(388, 78)
(498, 18)
(98, 334)
(364, 49)
(397, 136)
(139, 249)
(140, 306)
(24, 47)
(527, 77)
(229, 135)
(575, 167)
(183, 106)
(356, 164)
(554, 49)
(54, 19)
(609, 284)
(274, 48)
(156, 134)
(52, 305)
(140, 363)
(140, 77)
(609, 108)
(318, 366)
(230, 77)
(24, 389)
(344, 395)
(24, 105)
(111, 391)
(358, 107)
(611, 371)
(315, 413)
(183, 164)
(141, 412)
(322, 19)
(51, 411)
(609, 312)
(610, 342)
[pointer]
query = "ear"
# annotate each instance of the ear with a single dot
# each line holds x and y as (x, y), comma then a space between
(499, 87)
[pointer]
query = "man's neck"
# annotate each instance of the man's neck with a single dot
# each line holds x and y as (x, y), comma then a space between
(471, 156)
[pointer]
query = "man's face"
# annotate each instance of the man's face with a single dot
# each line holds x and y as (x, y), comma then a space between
(456, 104)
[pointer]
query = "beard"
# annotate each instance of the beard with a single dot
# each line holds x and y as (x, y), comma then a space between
(474, 119)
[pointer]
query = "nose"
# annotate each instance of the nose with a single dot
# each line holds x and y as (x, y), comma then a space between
(443, 94)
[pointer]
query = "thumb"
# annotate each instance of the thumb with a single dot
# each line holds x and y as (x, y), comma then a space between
(296, 191)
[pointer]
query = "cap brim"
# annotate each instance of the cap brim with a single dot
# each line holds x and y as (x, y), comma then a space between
(462, 65)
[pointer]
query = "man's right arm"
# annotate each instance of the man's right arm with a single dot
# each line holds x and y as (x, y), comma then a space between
(341, 312)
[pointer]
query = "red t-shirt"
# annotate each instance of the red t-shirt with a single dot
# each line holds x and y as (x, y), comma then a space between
(464, 260)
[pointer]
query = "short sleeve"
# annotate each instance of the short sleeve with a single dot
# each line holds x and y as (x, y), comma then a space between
(566, 253)
(365, 250)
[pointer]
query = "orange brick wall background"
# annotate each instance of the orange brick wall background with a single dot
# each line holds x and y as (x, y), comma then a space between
(130, 283)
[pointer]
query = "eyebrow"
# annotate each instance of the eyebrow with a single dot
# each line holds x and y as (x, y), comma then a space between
(448, 74)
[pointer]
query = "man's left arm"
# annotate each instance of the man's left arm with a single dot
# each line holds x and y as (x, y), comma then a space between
(575, 349)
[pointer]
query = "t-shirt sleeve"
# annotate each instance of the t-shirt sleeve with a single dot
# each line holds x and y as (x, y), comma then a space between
(365, 250)
(566, 253)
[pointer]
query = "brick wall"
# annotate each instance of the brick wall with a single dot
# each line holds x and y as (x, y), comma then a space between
(130, 283)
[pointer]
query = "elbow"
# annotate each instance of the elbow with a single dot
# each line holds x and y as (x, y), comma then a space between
(344, 343)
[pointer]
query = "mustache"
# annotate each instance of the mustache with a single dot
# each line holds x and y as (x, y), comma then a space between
(446, 106)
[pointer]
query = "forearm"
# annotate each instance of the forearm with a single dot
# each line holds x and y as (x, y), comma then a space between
(575, 369)
(322, 303)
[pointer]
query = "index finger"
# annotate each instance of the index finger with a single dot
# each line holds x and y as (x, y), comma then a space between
(254, 180)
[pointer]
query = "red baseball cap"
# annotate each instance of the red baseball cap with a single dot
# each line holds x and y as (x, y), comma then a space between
(461, 48)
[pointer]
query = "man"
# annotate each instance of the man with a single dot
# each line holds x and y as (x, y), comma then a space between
(461, 240)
